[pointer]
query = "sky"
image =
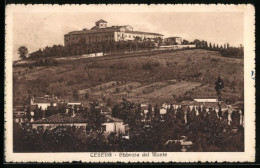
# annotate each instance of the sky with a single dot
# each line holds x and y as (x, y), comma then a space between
(38, 30)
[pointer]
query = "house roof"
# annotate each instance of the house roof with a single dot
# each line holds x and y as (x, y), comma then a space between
(19, 116)
(206, 99)
(74, 103)
(113, 119)
(62, 118)
(194, 103)
(19, 108)
(33, 107)
(101, 21)
(185, 102)
(139, 32)
(104, 109)
(44, 100)
(95, 29)
(211, 104)
(172, 37)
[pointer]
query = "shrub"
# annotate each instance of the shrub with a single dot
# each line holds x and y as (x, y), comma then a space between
(214, 60)
(150, 65)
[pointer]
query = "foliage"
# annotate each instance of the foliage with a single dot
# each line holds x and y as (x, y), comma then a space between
(23, 52)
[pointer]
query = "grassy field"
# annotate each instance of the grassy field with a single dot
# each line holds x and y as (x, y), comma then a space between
(162, 77)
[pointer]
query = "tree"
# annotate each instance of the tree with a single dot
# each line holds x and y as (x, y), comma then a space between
(138, 112)
(86, 96)
(109, 101)
(149, 113)
(23, 52)
(210, 45)
(185, 41)
(157, 115)
(95, 118)
(75, 94)
(228, 45)
(206, 44)
(197, 43)
(116, 111)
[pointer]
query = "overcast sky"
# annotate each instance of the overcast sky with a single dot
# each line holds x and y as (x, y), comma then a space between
(38, 30)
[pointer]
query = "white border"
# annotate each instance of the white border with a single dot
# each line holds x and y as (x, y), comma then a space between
(249, 89)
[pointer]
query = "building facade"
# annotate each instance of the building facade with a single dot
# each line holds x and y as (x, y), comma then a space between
(102, 33)
(173, 40)
(44, 102)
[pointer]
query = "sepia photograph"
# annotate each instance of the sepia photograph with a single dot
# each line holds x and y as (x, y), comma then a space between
(129, 82)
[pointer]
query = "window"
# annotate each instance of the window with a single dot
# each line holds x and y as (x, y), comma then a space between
(103, 128)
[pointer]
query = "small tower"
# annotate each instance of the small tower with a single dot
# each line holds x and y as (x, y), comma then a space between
(101, 24)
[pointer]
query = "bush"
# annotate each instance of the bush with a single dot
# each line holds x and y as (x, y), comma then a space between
(150, 65)
(214, 60)
(233, 52)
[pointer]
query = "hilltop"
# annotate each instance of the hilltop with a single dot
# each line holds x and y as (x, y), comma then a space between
(173, 76)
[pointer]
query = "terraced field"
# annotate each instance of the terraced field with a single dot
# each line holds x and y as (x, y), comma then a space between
(160, 77)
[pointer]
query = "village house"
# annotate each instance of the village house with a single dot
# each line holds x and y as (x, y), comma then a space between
(173, 40)
(75, 120)
(44, 102)
(185, 144)
(19, 114)
(104, 109)
(113, 124)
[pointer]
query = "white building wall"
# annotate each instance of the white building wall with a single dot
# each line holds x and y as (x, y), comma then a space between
(120, 127)
(110, 127)
(162, 111)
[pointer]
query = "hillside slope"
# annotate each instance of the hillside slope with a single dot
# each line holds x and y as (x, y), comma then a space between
(162, 77)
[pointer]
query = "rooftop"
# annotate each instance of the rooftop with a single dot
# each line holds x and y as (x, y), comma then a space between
(62, 118)
(173, 37)
(19, 108)
(44, 100)
(101, 21)
(94, 30)
(108, 29)
(206, 100)
(139, 32)
(113, 119)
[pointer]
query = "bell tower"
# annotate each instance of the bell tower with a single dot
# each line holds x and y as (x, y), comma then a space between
(101, 24)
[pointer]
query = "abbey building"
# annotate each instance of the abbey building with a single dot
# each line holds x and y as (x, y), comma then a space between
(101, 32)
